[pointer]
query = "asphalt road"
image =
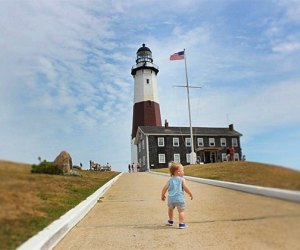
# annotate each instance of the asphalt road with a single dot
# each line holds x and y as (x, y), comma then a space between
(132, 216)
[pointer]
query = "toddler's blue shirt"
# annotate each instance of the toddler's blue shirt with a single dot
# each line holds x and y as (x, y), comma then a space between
(175, 190)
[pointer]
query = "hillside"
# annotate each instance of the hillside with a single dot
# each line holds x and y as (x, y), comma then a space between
(29, 202)
(247, 173)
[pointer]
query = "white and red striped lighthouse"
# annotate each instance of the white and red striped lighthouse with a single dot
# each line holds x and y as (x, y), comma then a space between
(146, 111)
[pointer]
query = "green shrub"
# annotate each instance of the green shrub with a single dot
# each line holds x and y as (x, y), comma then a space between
(46, 167)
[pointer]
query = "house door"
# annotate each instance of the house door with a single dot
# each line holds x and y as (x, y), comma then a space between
(206, 157)
(213, 157)
(210, 157)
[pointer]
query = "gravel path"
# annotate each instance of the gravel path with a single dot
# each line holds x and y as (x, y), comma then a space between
(132, 216)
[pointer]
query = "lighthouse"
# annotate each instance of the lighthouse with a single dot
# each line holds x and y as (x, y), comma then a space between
(146, 111)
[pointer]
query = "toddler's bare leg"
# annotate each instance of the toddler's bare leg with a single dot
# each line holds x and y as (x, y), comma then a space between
(181, 217)
(170, 213)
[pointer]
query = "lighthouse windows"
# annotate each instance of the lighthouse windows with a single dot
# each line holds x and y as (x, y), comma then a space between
(147, 81)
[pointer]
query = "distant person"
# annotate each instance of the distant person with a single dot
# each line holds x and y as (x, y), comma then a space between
(231, 150)
(227, 154)
(129, 168)
(176, 186)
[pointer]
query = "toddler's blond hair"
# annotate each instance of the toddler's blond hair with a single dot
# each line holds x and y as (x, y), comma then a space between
(174, 166)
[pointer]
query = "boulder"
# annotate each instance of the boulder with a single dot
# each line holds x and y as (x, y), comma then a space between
(64, 161)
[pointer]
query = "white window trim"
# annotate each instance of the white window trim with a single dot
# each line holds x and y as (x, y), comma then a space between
(176, 156)
(234, 142)
(162, 139)
(188, 158)
(186, 142)
(200, 142)
(175, 139)
(210, 140)
(224, 140)
(159, 158)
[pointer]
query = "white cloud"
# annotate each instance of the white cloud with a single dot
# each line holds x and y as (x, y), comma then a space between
(286, 47)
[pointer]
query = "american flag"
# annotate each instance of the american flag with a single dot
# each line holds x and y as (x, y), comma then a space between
(177, 56)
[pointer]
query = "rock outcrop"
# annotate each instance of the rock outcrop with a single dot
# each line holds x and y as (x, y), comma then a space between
(64, 161)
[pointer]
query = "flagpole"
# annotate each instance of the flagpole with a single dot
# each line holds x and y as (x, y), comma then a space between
(192, 155)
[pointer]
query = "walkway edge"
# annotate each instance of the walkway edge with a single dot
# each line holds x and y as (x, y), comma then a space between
(52, 234)
(289, 195)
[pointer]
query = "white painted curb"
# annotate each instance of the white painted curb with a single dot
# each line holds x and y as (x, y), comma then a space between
(52, 234)
(289, 195)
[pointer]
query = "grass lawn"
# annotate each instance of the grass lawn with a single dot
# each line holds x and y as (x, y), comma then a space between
(246, 172)
(30, 202)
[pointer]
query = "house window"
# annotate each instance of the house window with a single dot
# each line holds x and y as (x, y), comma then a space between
(176, 142)
(187, 142)
(200, 142)
(161, 158)
(176, 157)
(161, 141)
(212, 142)
(223, 142)
(234, 142)
(188, 158)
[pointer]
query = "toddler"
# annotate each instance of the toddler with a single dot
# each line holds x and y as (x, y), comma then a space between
(176, 187)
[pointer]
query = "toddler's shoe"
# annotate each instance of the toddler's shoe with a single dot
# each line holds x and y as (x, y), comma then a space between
(182, 226)
(170, 223)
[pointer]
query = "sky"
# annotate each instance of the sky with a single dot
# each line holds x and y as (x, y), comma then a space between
(66, 84)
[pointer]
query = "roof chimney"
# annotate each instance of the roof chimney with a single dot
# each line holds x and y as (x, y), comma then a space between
(231, 127)
(166, 123)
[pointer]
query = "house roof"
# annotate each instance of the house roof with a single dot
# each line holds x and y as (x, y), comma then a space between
(197, 131)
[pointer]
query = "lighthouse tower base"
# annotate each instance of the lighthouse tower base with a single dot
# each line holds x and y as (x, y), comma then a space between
(134, 159)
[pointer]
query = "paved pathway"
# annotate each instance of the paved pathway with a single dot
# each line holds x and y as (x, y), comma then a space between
(132, 216)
